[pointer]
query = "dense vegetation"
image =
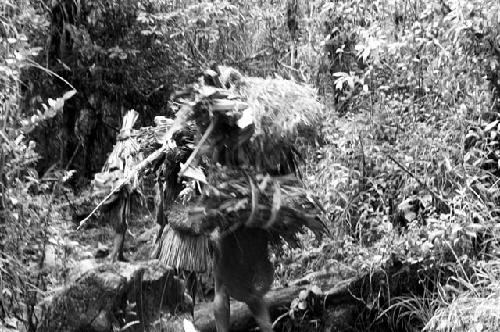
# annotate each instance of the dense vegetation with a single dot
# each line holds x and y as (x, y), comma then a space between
(407, 168)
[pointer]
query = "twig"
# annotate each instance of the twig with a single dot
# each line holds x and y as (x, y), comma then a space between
(2, 184)
(135, 171)
(45, 6)
(70, 204)
(6, 139)
(433, 193)
(280, 318)
(195, 152)
(363, 167)
(50, 72)
(154, 90)
(194, 47)
(249, 58)
(294, 69)
(110, 127)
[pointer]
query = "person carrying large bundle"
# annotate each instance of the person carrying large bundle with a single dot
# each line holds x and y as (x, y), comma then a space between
(124, 162)
(244, 191)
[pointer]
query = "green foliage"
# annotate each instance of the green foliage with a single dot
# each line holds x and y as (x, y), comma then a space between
(409, 137)
(22, 213)
(411, 88)
(419, 125)
(234, 33)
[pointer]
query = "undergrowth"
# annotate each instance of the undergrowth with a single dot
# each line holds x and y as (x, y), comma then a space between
(411, 170)
(409, 163)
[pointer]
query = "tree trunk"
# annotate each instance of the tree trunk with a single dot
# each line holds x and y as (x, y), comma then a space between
(343, 302)
(278, 301)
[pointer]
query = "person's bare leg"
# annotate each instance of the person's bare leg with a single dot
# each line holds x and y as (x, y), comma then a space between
(117, 253)
(261, 314)
(192, 286)
(159, 206)
(221, 306)
(120, 223)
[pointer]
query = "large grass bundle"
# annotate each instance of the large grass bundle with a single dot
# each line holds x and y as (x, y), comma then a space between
(125, 155)
(183, 250)
(254, 122)
(261, 121)
(281, 108)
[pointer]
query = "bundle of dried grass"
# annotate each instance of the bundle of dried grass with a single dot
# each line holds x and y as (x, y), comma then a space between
(125, 155)
(280, 108)
(183, 251)
(253, 121)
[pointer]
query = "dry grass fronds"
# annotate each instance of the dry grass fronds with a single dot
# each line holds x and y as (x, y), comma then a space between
(263, 201)
(469, 313)
(410, 311)
(280, 107)
(183, 251)
(477, 309)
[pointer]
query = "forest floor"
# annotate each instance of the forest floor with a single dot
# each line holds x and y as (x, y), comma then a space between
(428, 239)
